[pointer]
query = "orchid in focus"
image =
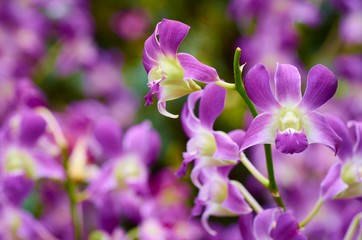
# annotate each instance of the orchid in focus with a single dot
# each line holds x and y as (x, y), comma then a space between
(171, 75)
(206, 146)
(288, 119)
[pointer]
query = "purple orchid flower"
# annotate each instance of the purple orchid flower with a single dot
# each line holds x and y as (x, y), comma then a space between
(18, 224)
(271, 224)
(218, 196)
(171, 74)
(126, 167)
(22, 148)
(206, 146)
(344, 178)
(289, 119)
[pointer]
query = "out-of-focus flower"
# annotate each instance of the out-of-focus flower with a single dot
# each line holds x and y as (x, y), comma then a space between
(349, 67)
(18, 224)
(288, 119)
(76, 54)
(171, 75)
(218, 196)
(344, 179)
(130, 24)
(206, 146)
(271, 224)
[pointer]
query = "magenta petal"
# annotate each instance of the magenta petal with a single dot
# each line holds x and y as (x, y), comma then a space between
(193, 69)
(189, 121)
(287, 85)
(246, 226)
(151, 51)
(235, 202)
(237, 136)
(332, 184)
(211, 104)
(357, 148)
(257, 86)
(287, 228)
(142, 140)
(154, 89)
(31, 127)
(108, 134)
(171, 34)
(262, 130)
(321, 86)
(318, 131)
(263, 223)
(345, 150)
(291, 142)
(226, 148)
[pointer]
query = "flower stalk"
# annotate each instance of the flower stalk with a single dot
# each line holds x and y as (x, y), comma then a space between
(312, 214)
(71, 190)
(272, 186)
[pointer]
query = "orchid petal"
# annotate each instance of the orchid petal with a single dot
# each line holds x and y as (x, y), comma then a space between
(31, 127)
(257, 87)
(161, 106)
(171, 34)
(152, 51)
(237, 136)
(321, 86)
(291, 141)
(226, 148)
(318, 131)
(246, 226)
(287, 228)
(262, 130)
(108, 134)
(211, 104)
(287, 85)
(357, 148)
(332, 184)
(142, 135)
(345, 150)
(235, 201)
(194, 69)
(263, 223)
(190, 122)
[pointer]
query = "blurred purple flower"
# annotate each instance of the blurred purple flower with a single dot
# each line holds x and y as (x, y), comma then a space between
(130, 24)
(171, 74)
(18, 224)
(288, 119)
(344, 178)
(349, 67)
(271, 224)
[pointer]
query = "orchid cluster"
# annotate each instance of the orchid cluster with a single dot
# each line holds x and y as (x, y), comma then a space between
(317, 159)
(78, 168)
(79, 159)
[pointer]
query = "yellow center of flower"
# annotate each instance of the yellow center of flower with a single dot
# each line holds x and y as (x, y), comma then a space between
(19, 161)
(290, 119)
(219, 191)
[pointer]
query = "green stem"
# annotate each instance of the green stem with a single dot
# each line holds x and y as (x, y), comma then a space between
(352, 228)
(248, 197)
(255, 172)
(239, 83)
(225, 85)
(273, 188)
(312, 214)
(133, 233)
(71, 190)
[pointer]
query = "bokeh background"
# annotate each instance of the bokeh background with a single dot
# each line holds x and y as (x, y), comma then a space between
(63, 53)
